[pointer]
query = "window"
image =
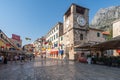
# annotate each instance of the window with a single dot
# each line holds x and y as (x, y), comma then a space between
(80, 10)
(56, 35)
(81, 36)
(61, 38)
(61, 46)
(56, 28)
(98, 34)
(52, 31)
(51, 38)
(56, 43)
(1, 35)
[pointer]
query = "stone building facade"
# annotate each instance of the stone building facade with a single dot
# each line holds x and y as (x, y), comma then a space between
(76, 30)
(116, 28)
(38, 46)
(28, 48)
(53, 40)
(6, 43)
(116, 32)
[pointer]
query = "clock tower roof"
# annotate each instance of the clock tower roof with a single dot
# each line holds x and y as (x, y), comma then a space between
(73, 4)
(79, 6)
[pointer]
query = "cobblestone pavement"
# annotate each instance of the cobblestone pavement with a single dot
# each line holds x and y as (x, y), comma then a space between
(50, 69)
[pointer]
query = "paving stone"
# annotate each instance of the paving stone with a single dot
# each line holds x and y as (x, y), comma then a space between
(51, 69)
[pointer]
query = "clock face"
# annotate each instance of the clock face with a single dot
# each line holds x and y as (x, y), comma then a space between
(81, 21)
(67, 22)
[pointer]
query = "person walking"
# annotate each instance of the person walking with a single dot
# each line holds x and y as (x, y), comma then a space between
(30, 57)
(16, 58)
(5, 60)
(11, 58)
(20, 57)
(0, 59)
(33, 57)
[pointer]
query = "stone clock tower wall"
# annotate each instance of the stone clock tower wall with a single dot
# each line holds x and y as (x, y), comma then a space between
(78, 29)
(74, 33)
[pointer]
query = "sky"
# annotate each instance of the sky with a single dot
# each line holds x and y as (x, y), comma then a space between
(34, 18)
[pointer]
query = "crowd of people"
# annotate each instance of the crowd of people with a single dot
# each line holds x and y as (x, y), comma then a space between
(16, 58)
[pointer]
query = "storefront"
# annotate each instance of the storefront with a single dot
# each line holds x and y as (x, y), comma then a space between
(54, 53)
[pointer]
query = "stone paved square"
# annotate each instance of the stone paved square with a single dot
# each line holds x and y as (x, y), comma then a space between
(51, 69)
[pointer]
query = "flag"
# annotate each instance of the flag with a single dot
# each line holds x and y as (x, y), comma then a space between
(28, 38)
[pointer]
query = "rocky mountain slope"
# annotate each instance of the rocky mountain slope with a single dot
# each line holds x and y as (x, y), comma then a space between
(105, 16)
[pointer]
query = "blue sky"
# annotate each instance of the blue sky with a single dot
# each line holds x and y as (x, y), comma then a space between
(34, 18)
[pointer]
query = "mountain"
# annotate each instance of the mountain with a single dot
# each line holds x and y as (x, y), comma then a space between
(105, 16)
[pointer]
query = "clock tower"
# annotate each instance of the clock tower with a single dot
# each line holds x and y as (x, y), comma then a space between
(75, 28)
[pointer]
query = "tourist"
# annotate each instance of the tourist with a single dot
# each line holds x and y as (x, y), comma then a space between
(5, 60)
(16, 58)
(21, 57)
(0, 59)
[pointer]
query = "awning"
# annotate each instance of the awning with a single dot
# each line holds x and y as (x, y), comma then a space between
(85, 45)
(2, 46)
(54, 52)
(114, 43)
